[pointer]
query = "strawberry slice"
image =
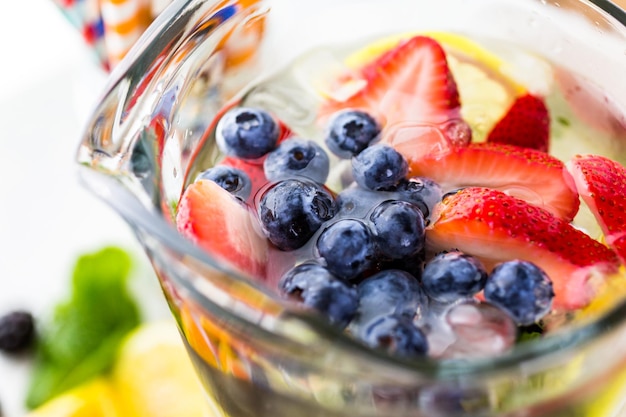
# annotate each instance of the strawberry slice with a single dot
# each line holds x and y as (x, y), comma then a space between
(497, 227)
(531, 175)
(409, 83)
(601, 183)
(212, 218)
(526, 124)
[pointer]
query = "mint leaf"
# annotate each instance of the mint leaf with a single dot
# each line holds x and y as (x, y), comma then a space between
(83, 336)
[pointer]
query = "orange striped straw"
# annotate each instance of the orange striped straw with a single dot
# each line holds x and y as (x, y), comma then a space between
(124, 22)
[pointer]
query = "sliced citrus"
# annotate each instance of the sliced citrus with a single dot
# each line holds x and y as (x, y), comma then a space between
(153, 375)
(485, 87)
(95, 398)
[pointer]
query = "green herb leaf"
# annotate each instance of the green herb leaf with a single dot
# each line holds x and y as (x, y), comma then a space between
(82, 339)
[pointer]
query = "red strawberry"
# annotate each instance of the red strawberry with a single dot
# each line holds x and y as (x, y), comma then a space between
(526, 124)
(531, 175)
(409, 83)
(496, 227)
(216, 221)
(601, 183)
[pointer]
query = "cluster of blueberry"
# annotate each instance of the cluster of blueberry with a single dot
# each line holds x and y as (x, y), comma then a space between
(363, 249)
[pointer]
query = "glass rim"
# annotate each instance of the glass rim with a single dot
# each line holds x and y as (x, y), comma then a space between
(151, 223)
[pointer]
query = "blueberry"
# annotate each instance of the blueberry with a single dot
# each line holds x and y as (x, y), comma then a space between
(297, 157)
(17, 331)
(247, 133)
(423, 192)
(317, 288)
(399, 229)
(379, 167)
(291, 211)
(450, 276)
(351, 131)
(521, 289)
(396, 335)
(347, 247)
(390, 292)
(233, 180)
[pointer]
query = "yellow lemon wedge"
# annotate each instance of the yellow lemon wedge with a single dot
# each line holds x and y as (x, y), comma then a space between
(96, 398)
(154, 377)
(485, 88)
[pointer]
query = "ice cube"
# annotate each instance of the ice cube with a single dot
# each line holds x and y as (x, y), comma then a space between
(471, 330)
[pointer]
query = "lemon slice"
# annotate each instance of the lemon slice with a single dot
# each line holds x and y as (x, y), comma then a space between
(485, 88)
(95, 398)
(153, 375)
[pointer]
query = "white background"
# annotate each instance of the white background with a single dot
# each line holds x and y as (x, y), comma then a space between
(49, 83)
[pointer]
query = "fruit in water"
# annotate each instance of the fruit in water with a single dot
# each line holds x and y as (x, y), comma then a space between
(389, 292)
(408, 83)
(450, 276)
(317, 288)
(601, 183)
(396, 335)
(347, 247)
(247, 133)
(297, 156)
(497, 227)
(219, 223)
(526, 124)
(350, 131)
(233, 180)
(379, 167)
(253, 170)
(398, 229)
(521, 289)
(528, 174)
(423, 192)
(291, 211)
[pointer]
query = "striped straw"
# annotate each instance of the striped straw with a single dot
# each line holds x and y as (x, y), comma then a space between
(85, 16)
(124, 22)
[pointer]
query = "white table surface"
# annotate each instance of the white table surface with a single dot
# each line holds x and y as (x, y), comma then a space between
(48, 85)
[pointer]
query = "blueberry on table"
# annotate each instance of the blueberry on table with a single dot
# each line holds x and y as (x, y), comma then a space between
(390, 292)
(233, 180)
(17, 330)
(247, 133)
(297, 156)
(450, 276)
(291, 211)
(521, 289)
(399, 229)
(351, 131)
(379, 167)
(319, 289)
(397, 335)
(347, 247)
